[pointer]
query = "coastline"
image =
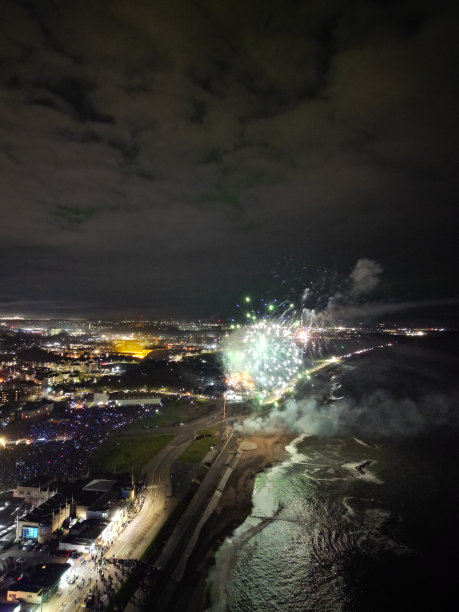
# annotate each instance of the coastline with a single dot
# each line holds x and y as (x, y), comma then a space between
(234, 507)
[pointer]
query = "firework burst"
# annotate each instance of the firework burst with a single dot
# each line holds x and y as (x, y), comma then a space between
(264, 355)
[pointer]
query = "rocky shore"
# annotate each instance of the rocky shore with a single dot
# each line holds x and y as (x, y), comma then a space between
(234, 506)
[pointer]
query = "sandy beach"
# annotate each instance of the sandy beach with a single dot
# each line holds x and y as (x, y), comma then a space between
(235, 505)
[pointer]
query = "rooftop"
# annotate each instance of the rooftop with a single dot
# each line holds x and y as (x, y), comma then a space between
(100, 485)
(85, 533)
(37, 405)
(43, 513)
(94, 493)
(38, 482)
(41, 577)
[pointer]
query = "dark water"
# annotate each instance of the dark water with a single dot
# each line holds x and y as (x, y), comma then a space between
(366, 520)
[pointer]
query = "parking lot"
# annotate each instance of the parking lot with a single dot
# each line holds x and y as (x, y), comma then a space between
(24, 556)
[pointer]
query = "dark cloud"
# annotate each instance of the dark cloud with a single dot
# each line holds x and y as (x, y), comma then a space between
(70, 95)
(169, 153)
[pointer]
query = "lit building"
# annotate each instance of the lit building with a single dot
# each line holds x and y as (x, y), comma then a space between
(133, 347)
(16, 392)
(41, 582)
(33, 410)
(36, 491)
(39, 524)
(133, 398)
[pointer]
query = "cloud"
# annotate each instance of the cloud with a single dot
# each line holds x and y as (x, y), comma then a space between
(237, 134)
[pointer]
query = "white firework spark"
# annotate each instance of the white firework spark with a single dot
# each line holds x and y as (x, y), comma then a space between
(262, 357)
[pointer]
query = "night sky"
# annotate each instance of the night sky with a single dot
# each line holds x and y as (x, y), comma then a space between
(167, 157)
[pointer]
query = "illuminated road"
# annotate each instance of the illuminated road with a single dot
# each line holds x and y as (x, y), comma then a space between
(157, 507)
(174, 556)
(136, 537)
(134, 540)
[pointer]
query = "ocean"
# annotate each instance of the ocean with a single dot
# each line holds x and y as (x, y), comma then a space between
(361, 513)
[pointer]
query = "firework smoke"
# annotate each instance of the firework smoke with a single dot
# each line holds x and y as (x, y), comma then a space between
(323, 305)
(364, 277)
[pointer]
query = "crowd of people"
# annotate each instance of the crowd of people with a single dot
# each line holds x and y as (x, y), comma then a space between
(134, 508)
(61, 449)
(105, 579)
(106, 574)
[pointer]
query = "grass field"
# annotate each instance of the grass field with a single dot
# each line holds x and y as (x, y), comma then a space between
(210, 431)
(126, 454)
(198, 448)
(175, 411)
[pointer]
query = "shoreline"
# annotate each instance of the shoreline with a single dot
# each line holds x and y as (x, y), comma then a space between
(234, 507)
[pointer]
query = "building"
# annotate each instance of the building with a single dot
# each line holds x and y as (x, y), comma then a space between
(85, 535)
(25, 593)
(39, 524)
(36, 491)
(99, 506)
(33, 410)
(19, 391)
(55, 378)
(132, 398)
(98, 499)
(38, 584)
(95, 498)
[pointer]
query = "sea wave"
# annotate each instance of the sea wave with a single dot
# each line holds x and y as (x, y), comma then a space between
(310, 515)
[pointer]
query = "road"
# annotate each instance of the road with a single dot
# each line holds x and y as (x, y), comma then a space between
(200, 497)
(136, 537)
(175, 548)
(133, 541)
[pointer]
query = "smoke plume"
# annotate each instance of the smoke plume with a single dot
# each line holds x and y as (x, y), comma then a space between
(325, 303)
(379, 414)
(364, 277)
